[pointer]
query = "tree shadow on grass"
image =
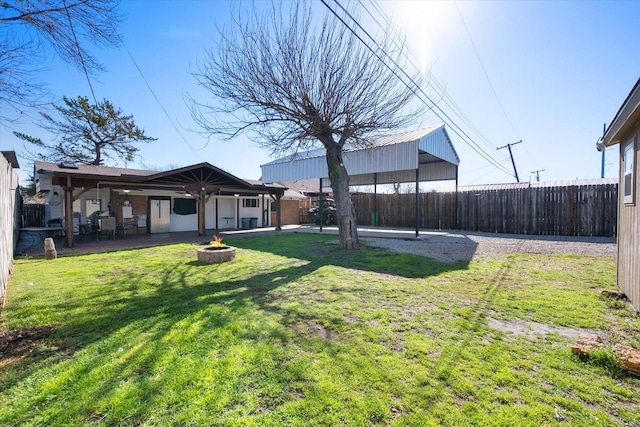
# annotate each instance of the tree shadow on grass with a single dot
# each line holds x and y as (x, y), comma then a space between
(132, 331)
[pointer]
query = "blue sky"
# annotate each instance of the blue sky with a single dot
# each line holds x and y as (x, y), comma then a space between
(547, 73)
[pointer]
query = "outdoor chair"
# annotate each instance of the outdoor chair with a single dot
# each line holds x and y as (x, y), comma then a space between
(107, 226)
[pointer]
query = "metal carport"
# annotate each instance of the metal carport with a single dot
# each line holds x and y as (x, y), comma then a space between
(425, 154)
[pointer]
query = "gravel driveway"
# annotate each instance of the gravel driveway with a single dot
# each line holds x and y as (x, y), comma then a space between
(467, 246)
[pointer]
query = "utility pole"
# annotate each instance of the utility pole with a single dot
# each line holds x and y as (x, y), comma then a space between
(538, 174)
(515, 171)
(604, 130)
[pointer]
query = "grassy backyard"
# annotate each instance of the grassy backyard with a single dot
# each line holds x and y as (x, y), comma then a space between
(298, 332)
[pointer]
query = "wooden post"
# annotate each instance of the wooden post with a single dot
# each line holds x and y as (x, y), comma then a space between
(279, 212)
(238, 212)
(201, 207)
(68, 213)
(217, 198)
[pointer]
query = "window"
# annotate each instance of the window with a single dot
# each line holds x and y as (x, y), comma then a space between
(250, 203)
(628, 172)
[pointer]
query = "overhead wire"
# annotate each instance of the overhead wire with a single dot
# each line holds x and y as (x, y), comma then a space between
(75, 40)
(484, 70)
(164, 110)
(455, 109)
(433, 105)
(433, 81)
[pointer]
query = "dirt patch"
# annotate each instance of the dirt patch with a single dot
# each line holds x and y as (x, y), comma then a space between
(17, 344)
(311, 329)
(533, 329)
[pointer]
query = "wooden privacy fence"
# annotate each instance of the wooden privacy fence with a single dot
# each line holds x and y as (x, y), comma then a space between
(572, 210)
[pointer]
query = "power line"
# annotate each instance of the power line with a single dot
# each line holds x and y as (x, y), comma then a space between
(162, 107)
(484, 70)
(453, 125)
(75, 39)
(446, 98)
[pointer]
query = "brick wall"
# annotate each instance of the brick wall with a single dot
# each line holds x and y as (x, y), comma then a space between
(138, 204)
(290, 213)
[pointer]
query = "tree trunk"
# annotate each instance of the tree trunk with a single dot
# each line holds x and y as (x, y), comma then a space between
(346, 214)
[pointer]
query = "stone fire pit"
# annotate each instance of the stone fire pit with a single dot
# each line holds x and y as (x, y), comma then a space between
(216, 254)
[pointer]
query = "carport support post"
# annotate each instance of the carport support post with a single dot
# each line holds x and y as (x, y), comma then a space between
(320, 212)
(456, 201)
(417, 202)
(68, 213)
(374, 216)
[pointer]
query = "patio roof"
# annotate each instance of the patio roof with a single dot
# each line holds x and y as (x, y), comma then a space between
(199, 177)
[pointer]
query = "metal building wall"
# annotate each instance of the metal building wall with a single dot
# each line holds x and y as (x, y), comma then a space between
(392, 157)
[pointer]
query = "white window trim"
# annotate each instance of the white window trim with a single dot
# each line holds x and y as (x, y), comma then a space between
(628, 168)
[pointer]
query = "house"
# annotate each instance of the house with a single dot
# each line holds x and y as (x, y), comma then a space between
(624, 131)
(191, 198)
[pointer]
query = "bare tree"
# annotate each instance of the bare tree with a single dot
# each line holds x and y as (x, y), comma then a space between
(31, 29)
(86, 133)
(296, 85)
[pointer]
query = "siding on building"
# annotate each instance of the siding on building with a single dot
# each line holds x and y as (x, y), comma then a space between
(629, 231)
(625, 128)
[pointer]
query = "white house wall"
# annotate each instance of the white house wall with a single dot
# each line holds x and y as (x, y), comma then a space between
(182, 222)
(227, 208)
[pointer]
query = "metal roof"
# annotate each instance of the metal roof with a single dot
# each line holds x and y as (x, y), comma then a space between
(388, 159)
(626, 116)
(11, 158)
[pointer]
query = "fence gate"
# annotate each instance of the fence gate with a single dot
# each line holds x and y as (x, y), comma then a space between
(32, 215)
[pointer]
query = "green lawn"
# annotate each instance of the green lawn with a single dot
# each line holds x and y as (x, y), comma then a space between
(298, 332)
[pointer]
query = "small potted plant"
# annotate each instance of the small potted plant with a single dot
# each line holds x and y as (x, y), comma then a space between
(216, 252)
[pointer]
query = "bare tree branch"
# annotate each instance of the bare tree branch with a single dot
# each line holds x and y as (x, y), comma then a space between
(31, 30)
(294, 84)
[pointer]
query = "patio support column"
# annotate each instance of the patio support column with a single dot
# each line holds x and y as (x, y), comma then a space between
(279, 212)
(217, 198)
(68, 213)
(417, 203)
(201, 207)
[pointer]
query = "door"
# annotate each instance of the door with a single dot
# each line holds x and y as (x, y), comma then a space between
(159, 211)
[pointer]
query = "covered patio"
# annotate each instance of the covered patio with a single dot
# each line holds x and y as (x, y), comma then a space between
(202, 190)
